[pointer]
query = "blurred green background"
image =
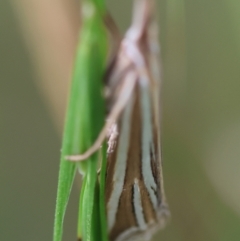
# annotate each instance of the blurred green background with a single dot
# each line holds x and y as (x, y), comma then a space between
(200, 43)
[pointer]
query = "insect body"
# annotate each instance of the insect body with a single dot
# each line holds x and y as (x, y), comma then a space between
(135, 199)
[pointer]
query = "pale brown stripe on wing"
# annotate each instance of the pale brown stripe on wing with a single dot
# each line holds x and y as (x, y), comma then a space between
(125, 216)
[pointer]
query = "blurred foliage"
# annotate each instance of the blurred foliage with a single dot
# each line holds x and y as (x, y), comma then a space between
(200, 126)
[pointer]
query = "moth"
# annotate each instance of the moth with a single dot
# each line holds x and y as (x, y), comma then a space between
(135, 199)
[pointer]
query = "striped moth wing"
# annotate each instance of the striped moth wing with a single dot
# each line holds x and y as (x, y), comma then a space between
(135, 199)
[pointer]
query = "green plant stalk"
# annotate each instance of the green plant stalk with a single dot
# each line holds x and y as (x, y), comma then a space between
(80, 211)
(94, 68)
(92, 216)
(84, 120)
(102, 207)
(89, 219)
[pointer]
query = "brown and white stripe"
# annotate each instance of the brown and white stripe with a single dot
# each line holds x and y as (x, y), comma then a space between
(135, 199)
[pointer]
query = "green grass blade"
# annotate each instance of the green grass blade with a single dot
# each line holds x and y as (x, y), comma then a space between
(94, 68)
(80, 211)
(92, 217)
(102, 209)
(66, 176)
(89, 219)
(85, 116)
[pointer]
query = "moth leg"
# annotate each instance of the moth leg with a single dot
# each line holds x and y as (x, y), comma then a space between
(123, 98)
